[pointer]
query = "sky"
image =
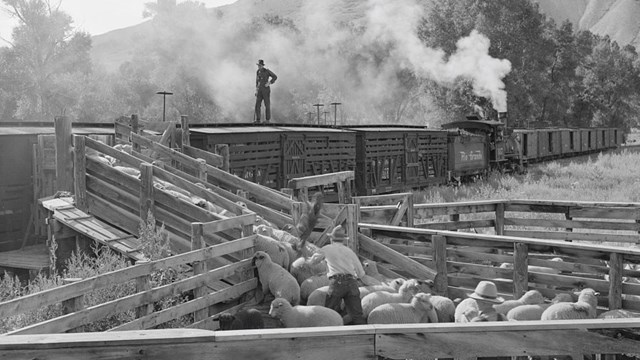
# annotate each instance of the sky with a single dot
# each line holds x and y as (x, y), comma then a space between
(99, 16)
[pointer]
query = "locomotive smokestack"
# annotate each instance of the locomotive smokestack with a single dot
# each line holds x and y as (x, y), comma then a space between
(502, 117)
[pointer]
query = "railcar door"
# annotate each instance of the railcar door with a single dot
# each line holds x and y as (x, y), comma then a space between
(411, 159)
(293, 157)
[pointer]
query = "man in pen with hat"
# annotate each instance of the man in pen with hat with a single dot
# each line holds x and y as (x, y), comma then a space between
(264, 79)
(344, 271)
(486, 295)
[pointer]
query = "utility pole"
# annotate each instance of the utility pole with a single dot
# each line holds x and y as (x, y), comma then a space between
(318, 107)
(335, 112)
(164, 102)
(325, 117)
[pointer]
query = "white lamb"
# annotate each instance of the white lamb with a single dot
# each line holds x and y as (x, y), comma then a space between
(534, 312)
(303, 316)
(276, 250)
(404, 295)
(584, 308)
(531, 297)
(444, 307)
(371, 269)
(618, 314)
(275, 279)
(419, 310)
(311, 284)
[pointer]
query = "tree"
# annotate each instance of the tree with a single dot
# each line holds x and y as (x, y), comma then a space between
(48, 53)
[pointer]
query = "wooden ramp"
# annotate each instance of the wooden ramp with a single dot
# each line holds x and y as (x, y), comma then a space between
(88, 225)
(34, 257)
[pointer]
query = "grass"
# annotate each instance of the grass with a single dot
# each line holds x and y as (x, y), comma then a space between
(612, 177)
(155, 245)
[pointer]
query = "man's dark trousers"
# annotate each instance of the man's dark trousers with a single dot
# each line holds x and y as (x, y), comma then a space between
(263, 94)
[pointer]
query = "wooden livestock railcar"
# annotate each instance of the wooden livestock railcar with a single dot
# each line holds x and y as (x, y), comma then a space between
(399, 158)
(27, 163)
(273, 155)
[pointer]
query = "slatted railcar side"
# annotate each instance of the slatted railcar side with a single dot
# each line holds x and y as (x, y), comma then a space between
(273, 155)
(399, 158)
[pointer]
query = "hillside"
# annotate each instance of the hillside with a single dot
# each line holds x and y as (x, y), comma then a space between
(616, 18)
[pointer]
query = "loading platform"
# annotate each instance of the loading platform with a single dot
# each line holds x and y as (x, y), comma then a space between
(65, 213)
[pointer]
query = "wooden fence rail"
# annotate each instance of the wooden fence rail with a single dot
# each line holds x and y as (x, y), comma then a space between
(415, 341)
(79, 288)
(542, 219)
(472, 257)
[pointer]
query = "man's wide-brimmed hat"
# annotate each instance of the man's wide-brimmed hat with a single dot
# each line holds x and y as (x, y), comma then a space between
(260, 62)
(486, 291)
(338, 234)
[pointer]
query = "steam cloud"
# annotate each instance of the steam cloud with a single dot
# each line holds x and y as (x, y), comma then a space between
(326, 62)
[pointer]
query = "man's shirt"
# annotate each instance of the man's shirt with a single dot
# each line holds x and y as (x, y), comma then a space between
(262, 77)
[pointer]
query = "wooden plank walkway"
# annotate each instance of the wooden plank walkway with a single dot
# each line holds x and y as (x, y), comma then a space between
(88, 225)
(35, 257)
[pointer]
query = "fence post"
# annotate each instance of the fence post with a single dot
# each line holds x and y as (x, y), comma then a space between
(499, 223)
(199, 267)
(410, 210)
(184, 124)
(223, 150)
(146, 191)
(64, 154)
(439, 244)
(352, 226)
(454, 218)
(135, 128)
(143, 283)
(615, 281)
(74, 304)
(520, 269)
(202, 170)
(79, 171)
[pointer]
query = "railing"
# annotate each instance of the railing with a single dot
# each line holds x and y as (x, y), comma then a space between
(144, 297)
(461, 259)
(543, 219)
(342, 181)
(575, 338)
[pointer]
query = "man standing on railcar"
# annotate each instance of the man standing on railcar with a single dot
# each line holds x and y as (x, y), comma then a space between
(264, 79)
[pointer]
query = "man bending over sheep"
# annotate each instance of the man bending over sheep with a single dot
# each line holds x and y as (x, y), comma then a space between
(344, 270)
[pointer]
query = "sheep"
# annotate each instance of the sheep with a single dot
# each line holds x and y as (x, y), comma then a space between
(466, 310)
(303, 316)
(534, 312)
(371, 269)
(276, 250)
(303, 269)
(274, 279)
(618, 314)
(404, 295)
(531, 297)
(308, 220)
(584, 308)
(366, 290)
(245, 319)
(311, 284)
(444, 307)
(318, 296)
(419, 310)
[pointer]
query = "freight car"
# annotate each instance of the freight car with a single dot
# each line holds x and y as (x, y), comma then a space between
(27, 173)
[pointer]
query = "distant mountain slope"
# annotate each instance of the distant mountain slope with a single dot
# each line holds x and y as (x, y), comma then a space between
(616, 18)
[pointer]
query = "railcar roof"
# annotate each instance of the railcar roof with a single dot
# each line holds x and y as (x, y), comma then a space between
(253, 128)
(45, 130)
(472, 124)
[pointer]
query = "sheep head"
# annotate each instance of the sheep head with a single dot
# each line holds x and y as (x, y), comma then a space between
(278, 307)
(259, 258)
(225, 321)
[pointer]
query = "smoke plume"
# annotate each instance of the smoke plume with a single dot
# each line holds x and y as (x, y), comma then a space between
(330, 55)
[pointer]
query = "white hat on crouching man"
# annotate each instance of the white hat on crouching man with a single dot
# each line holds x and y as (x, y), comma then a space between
(486, 291)
(338, 234)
